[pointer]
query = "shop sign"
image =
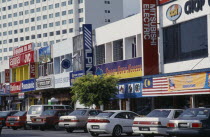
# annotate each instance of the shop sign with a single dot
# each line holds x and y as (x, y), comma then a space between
(130, 90)
(62, 80)
(88, 48)
(15, 87)
(32, 70)
(22, 59)
(23, 49)
(74, 75)
(45, 54)
(45, 83)
(123, 69)
(150, 37)
(4, 89)
(161, 2)
(7, 75)
(21, 95)
(192, 6)
(28, 85)
(174, 12)
(176, 85)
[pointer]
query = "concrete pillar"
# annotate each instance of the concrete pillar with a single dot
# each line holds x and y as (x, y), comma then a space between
(120, 105)
(192, 99)
(128, 104)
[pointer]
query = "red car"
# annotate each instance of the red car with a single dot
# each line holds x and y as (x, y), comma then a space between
(17, 120)
(49, 119)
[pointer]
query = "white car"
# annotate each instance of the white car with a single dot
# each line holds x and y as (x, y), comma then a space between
(155, 123)
(77, 119)
(113, 122)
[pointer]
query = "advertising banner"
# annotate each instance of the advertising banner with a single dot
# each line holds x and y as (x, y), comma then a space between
(32, 70)
(45, 83)
(45, 54)
(23, 49)
(130, 90)
(162, 2)
(21, 59)
(150, 37)
(122, 69)
(88, 48)
(7, 75)
(74, 75)
(195, 83)
(21, 95)
(4, 89)
(62, 80)
(28, 85)
(15, 87)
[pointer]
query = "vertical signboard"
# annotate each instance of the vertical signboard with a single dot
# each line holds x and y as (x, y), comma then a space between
(15, 87)
(88, 48)
(32, 70)
(7, 75)
(150, 37)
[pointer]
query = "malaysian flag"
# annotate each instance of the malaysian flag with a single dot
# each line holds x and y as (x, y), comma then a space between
(155, 86)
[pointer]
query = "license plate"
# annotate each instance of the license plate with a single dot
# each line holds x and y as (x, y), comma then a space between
(66, 125)
(183, 125)
(11, 123)
(144, 129)
(38, 120)
(95, 127)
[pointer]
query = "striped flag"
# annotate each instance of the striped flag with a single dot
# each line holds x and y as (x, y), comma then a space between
(155, 85)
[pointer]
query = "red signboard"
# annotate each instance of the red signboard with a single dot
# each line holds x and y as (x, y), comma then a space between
(22, 49)
(161, 2)
(32, 70)
(21, 59)
(7, 75)
(150, 37)
(15, 87)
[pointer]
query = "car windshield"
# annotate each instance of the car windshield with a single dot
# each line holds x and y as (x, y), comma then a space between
(78, 113)
(35, 110)
(199, 113)
(4, 113)
(49, 113)
(159, 113)
(105, 114)
(20, 113)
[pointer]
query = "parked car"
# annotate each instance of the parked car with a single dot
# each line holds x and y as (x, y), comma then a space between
(5, 114)
(49, 119)
(77, 119)
(113, 122)
(17, 120)
(155, 123)
(36, 111)
(192, 122)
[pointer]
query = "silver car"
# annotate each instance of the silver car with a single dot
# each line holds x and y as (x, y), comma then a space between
(77, 119)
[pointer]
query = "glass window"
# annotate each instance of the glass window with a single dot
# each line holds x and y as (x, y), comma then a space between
(63, 3)
(21, 39)
(63, 22)
(26, 3)
(4, 33)
(15, 23)
(15, 31)
(71, 21)
(27, 37)
(70, 11)
(5, 42)
(32, 28)
(58, 41)
(51, 24)
(21, 30)
(50, 15)
(70, 30)
(44, 17)
(26, 20)
(20, 5)
(45, 35)
(64, 31)
(159, 113)
(20, 21)
(26, 12)
(32, 10)
(70, 2)
(57, 23)
(9, 15)
(4, 16)
(39, 27)
(80, 1)
(58, 32)
(195, 113)
(15, 14)
(10, 32)
(37, 1)
(32, 2)
(38, 9)
(80, 10)
(78, 113)
(5, 25)
(51, 43)
(10, 48)
(44, 8)
(51, 6)
(186, 41)
(14, 6)
(57, 5)
(35, 110)
(27, 29)
(80, 19)
(33, 36)
(10, 40)
(32, 19)
(57, 14)
(38, 18)
(44, 25)
(63, 13)
(5, 58)
(9, 7)
(51, 33)
(10, 24)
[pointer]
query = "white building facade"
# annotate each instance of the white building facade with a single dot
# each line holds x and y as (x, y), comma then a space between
(46, 22)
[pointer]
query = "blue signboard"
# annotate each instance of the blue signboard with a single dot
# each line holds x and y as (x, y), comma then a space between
(130, 89)
(74, 75)
(88, 48)
(28, 85)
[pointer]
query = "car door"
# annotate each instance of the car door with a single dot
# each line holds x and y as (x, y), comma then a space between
(120, 119)
(129, 121)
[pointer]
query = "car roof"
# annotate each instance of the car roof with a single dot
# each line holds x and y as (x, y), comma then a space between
(116, 111)
(168, 109)
(49, 105)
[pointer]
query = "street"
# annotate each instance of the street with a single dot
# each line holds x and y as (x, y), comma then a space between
(47, 133)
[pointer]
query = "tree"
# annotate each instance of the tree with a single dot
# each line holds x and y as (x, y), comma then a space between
(98, 90)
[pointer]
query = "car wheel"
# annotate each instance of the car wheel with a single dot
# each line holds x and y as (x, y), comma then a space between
(14, 128)
(117, 131)
(94, 134)
(69, 130)
(42, 128)
(85, 129)
(56, 126)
